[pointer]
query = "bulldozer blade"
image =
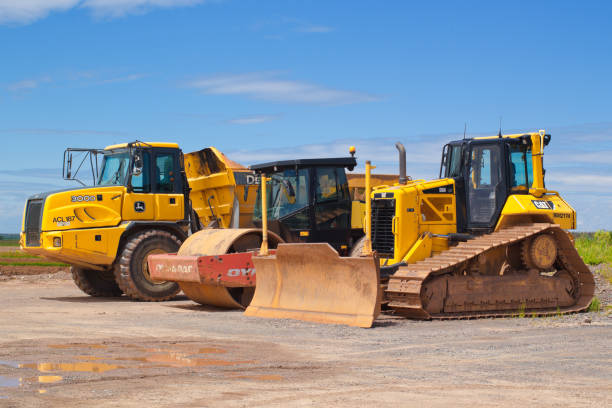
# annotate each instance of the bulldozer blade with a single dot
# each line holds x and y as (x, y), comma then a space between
(311, 282)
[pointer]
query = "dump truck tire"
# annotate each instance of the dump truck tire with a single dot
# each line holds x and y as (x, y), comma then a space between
(132, 271)
(95, 283)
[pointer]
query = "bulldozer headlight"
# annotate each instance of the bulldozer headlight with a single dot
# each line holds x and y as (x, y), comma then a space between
(57, 242)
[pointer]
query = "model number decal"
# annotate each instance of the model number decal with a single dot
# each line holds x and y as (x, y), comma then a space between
(543, 205)
(561, 215)
(181, 269)
(79, 198)
(63, 221)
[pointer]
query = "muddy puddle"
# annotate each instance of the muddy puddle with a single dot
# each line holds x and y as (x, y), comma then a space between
(70, 363)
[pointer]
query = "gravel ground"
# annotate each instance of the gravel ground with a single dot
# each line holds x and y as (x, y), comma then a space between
(62, 348)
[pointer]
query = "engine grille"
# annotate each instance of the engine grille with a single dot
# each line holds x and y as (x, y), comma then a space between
(383, 240)
(32, 222)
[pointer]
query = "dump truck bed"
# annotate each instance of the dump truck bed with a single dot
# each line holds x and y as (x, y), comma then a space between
(220, 188)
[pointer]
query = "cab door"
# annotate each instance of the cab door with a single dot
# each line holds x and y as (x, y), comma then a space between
(332, 212)
(158, 191)
(486, 185)
(168, 186)
(139, 203)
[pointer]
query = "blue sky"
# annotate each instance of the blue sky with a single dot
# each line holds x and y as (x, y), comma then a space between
(276, 79)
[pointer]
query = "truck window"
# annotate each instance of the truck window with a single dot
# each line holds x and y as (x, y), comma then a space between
(521, 173)
(141, 183)
(333, 201)
(454, 168)
(114, 169)
(287, 198)
(165, 173)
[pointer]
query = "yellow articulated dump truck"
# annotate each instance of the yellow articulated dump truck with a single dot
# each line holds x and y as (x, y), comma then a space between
(304, 200)
(145, 200)
(485, 239)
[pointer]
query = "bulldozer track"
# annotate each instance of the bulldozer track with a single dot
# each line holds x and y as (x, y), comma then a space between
(449, 285)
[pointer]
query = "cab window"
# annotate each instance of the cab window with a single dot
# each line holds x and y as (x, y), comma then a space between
(521, 173)
(331, 184)
(454, 168)
(114, 169)
(165, 173)
(332, 210)
(141, 183)
(486, 168)
(287, 194)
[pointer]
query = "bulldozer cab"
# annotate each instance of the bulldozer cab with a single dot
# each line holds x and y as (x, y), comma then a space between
(308, 200)
(486, 171)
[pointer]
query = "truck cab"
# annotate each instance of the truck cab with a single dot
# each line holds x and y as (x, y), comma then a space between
(137, 204)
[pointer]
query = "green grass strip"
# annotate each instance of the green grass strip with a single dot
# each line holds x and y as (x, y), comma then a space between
(595, 248)
(17, 254)
(9, 242)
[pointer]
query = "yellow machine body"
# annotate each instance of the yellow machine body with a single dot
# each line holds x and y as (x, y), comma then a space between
(221, 188)
(418, 222)
(428, 209)
(85, 226)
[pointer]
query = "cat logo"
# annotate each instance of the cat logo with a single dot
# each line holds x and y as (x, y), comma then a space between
(139, 206)
(543, 205)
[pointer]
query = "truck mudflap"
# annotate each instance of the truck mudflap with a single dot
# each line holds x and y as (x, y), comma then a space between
(311, 282)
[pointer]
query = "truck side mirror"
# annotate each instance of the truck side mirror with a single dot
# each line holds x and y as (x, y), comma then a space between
(137, 170)
(68, 166)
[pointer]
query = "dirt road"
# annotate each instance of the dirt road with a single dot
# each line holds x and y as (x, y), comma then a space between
(63, 349)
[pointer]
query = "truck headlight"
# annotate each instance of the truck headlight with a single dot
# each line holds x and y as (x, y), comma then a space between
(57, 242)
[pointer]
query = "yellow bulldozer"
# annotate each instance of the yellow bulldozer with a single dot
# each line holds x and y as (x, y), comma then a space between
(146, 199)
(486, 239)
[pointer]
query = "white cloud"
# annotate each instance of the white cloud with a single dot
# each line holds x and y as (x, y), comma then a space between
(23, 85)
(27, 84)
(27, 11)
(589, 182)
(252, 119)
(576, 156)
(268, 86)
(47, 131)
(315, 29)
(127, 78)
(288, 23)
(120, 8)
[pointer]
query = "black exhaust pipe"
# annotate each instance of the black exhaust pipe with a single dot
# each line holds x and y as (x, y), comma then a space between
(402, 163)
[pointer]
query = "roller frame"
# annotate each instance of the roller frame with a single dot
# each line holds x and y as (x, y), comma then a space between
(230, 270)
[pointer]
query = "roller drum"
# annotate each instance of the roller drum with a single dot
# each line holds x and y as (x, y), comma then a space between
(218, 242)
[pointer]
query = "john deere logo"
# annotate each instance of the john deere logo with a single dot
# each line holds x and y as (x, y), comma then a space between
(139, 206)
